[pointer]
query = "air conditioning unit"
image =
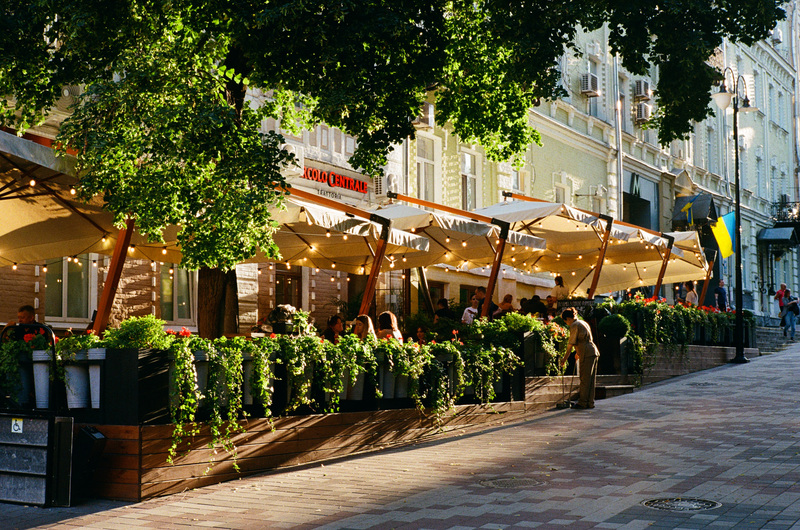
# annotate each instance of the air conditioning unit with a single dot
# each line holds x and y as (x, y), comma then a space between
(425, 121)
(590, 85)
(777, 36)
(299, 155)
(641, 90)
(385, 184)
(643, 111)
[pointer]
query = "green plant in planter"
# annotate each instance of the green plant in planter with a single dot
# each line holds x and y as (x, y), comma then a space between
(184, 394)
(67, 347)
(614, 326)
(445, 353)
(224, 392)
(139, 333)
(409, 359)
(263, 351)
(299, 354)
(351, 356)
(11, 353)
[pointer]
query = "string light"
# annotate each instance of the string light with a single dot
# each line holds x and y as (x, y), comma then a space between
(463, 243)
(405, 259)
(94, 263)
(259, 272)
(164, 250)
(288, 265)
(447, 240)
(14, 266)
(327, 233)
(72, 191)
(45, 268)
(32, 182)
(332, 279)
(344, 237)
(270, 266)
(333, 265)
(171, 270)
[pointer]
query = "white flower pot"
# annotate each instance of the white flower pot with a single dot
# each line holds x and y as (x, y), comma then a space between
(41, 377)
(76, 379)
(96, 357)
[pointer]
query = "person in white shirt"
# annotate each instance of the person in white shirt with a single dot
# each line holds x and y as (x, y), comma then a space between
(691, 294)
(559, 292)
(471, 313)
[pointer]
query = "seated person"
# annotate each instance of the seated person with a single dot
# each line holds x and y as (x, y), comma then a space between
(387, 326)
(505, 306)
(443, 311)
(335, 328)
(363, 327)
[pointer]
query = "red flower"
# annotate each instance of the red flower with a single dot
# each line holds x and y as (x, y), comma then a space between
(27, 337)
(455, 332)
(272, 335)
(171, 332)
(185, 332)
(433, 342)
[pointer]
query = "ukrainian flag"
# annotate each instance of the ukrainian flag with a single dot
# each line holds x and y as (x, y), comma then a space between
(725, 234)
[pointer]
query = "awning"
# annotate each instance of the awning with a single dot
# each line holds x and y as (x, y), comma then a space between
(693, 210)
(785, 236)
(458, 241)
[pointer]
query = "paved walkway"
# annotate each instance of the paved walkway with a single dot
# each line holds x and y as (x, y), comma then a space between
(728, 435)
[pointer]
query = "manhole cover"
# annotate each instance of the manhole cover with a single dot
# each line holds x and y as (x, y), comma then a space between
(511, 483)
(702, 384)
(681, 505)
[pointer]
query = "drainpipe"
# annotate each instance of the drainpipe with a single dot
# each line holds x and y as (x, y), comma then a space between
(618, 133)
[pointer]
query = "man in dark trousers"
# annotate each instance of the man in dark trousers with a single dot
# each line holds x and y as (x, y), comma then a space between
(721, 296)
(586, 354)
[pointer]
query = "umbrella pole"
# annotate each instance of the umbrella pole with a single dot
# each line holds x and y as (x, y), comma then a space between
(670, 242)
(426, 292)
(708, 278)
(498, 259)
(372, 281)
(112, 279)
(596, 278)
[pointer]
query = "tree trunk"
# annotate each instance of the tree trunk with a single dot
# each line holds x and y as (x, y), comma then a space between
(217, 303)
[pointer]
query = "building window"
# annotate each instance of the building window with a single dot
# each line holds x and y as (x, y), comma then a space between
(772, 103)
(560, 194)
(711, 164)
(425, 169)
(288, 284)
(70, 288)
(516, 181)
(469, 182)
(757, 90)
(177, 294)
(323, 137)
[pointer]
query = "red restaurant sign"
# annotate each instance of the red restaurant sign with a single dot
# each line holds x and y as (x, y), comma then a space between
(334, 180)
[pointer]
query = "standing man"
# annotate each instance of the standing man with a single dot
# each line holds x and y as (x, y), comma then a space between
(480, 294)
(586, 353)
(721, 296)
(779, 298)
(790, 312)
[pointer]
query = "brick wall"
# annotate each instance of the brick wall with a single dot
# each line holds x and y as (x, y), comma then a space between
(18, 288)
(137, 293)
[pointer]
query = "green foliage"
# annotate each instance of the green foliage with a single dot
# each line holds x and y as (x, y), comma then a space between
(184, 394)
(67, 347)
(139, 333)
(168, 127)
(616, 326)
(11, 353)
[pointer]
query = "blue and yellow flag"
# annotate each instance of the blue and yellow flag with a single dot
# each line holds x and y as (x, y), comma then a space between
(725, 234)
(688, 210)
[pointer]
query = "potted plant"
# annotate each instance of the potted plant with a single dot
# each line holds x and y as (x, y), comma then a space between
(14, 354)
(72, 354)
(139, 333)
(42, 352)
(613, 330)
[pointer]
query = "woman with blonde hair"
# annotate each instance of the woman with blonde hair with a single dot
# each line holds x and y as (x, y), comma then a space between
(363, 327)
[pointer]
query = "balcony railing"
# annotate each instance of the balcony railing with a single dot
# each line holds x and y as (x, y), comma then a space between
(786, 212)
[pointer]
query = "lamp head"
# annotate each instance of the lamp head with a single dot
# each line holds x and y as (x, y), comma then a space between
(745, 106)
(723, 97)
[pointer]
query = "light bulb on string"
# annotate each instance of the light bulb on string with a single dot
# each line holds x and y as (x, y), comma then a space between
(14, 266)
(344, 237)
(463, 243)
(72, 191)
(333, 265)
(327, 233)
(32, 182)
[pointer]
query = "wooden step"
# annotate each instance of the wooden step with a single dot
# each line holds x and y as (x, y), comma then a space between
(609, 391)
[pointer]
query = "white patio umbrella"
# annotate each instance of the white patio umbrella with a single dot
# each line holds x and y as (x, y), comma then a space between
(455, 240)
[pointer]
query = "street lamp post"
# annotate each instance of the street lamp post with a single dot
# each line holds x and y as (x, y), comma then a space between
(723, 99)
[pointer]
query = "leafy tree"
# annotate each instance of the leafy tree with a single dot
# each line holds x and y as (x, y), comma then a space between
(168, 128)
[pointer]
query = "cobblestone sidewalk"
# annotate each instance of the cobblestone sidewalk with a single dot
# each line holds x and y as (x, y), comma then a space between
(727, 435)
